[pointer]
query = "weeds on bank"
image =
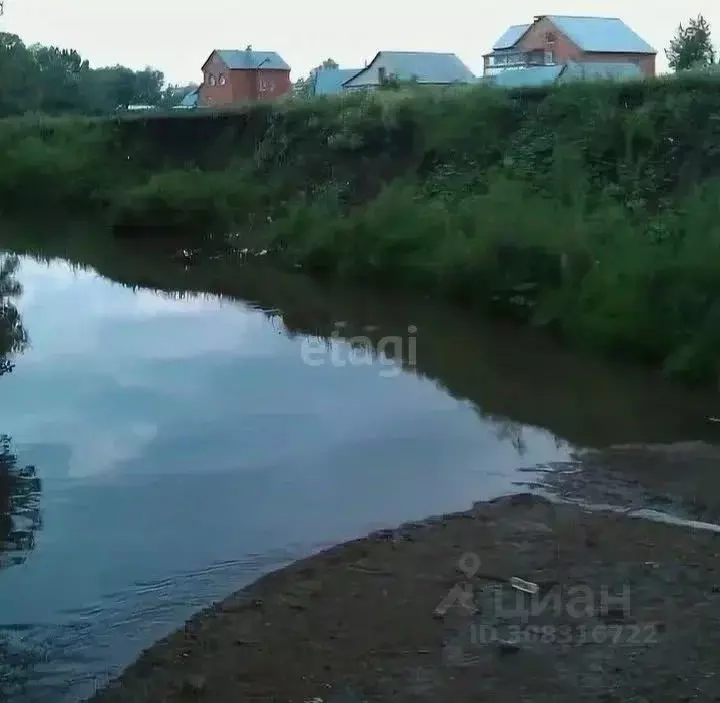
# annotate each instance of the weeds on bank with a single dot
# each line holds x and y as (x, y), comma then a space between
(591, 209)
(645, 289)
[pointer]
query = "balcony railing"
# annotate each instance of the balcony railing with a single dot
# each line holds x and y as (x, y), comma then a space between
(514, 60)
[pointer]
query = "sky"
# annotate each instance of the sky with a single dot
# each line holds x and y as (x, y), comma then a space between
(177, 37)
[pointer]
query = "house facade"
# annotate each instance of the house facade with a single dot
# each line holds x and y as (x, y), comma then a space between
(561, 39)
(233, 76)
(534, 76)
(423, 67)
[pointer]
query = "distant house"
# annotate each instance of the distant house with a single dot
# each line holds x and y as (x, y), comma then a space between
(424, 67)
(189, 101)
(231, 76)
(565, 72)
(329, 81)
(552, 40)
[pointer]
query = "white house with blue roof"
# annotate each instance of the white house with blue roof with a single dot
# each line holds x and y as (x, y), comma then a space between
(558, 40)
(422, 67)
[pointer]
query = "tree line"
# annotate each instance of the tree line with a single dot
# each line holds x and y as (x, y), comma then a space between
(51, 80)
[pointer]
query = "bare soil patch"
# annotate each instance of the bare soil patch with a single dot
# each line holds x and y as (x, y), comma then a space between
(359, 622)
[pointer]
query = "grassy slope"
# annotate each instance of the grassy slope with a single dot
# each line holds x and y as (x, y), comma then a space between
(591, 209)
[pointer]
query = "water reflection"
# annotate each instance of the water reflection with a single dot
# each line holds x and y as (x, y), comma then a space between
(19, 486)
(19, 506)
(514, 377)
(186, 447)
(13, 337)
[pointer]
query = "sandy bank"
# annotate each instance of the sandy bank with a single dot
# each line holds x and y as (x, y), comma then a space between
(360, 622)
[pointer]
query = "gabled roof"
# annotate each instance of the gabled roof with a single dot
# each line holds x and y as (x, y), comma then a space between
(591, 34)
(601, 34)
(240, 59)
(511, 36)
(423, 66)
(329, 81)
(190, 99)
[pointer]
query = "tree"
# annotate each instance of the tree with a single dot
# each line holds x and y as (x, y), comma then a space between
(303, 87)
(691, 47)
(148, 86)
(59, 75)
(59, 81)
(18, 77)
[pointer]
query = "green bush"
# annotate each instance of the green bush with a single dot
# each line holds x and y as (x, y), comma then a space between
(57, 162)
(173, 201)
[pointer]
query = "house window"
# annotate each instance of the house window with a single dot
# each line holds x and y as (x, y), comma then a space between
(221, 79)
(211, 79)
(535, 57)
(550, 37)
(382, 77)
(549, 57)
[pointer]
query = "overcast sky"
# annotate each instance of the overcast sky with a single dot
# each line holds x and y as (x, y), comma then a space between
(177, 36)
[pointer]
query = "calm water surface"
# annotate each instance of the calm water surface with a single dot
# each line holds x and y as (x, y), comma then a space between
(186, 446)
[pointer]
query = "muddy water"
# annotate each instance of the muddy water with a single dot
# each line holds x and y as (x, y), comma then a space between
(184, 445)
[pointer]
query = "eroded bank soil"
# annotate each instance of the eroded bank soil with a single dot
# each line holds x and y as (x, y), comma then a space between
(359, 622)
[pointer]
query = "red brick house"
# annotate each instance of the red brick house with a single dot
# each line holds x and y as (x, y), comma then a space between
(232, 76)
(558, 39)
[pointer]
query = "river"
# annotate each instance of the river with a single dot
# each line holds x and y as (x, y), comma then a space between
(183, 445)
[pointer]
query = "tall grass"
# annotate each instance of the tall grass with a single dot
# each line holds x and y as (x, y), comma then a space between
(590, 209)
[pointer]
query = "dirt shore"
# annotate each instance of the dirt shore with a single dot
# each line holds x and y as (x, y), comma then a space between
(627, 610)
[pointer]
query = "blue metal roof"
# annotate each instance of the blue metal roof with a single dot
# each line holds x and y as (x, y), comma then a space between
(190, 99)
(598, 70)
(526, 77)
(329, 81)
(511, 36)
(601, 34)
(423, 66)
(238, 59)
